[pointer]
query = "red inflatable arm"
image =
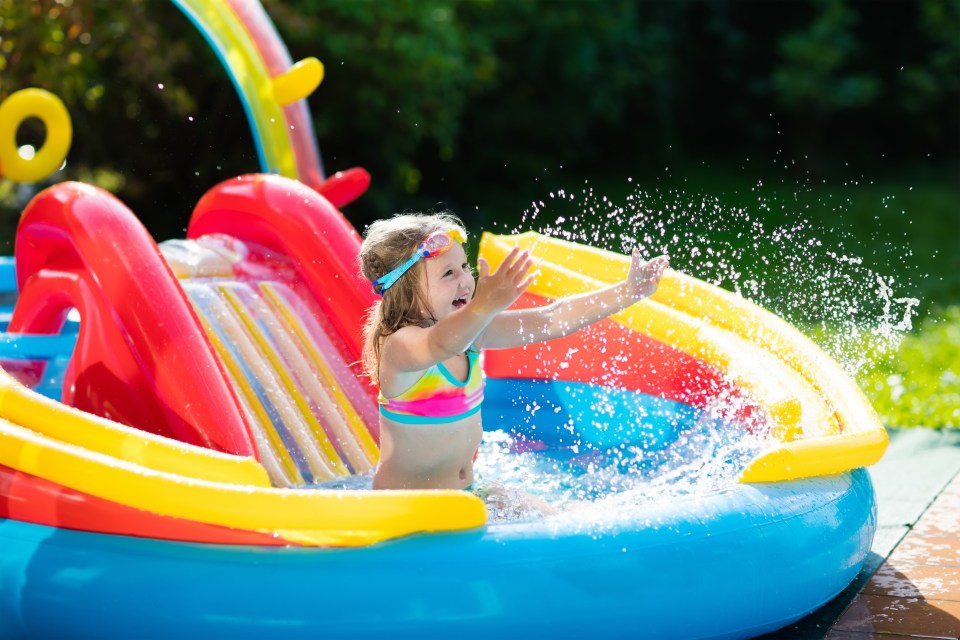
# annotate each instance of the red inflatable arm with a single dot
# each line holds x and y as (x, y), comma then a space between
(142, 357)
(344, 187)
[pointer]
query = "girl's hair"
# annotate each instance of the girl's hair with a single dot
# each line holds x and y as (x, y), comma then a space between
(386, 245)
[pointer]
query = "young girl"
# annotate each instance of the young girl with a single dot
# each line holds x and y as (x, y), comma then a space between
(424, 336)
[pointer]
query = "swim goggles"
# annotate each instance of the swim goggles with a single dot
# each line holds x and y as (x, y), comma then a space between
(434, 244)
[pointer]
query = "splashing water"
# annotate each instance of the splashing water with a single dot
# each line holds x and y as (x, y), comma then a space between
(769, 254)
(784, 265)
(705, 458)
(846, 306)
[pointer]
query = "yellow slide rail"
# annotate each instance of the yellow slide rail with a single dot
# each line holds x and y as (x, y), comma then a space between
(58, 421)
(822, 420)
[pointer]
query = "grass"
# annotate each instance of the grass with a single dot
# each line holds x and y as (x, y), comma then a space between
(918, 383)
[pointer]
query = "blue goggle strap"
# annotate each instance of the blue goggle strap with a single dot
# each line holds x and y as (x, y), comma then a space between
(382, 284)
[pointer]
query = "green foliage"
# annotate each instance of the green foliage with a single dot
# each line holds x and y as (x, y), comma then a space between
(155, 118)
(91, 54)
(816, 70)
(443, 89)
(922, 83)
(486, 105)
(398, 76)
(918, 384)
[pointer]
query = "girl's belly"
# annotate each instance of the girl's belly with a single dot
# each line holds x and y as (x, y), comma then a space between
(427, 456)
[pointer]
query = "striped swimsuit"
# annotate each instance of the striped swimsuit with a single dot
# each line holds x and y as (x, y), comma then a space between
(438, 397)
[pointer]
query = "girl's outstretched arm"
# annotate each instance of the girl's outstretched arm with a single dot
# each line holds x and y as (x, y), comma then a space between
(568, 315)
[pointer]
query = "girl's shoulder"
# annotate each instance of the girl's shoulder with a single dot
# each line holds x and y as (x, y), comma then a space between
(401, 340)
(403, 333)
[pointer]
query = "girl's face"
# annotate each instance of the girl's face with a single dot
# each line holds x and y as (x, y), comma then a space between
(449, 281)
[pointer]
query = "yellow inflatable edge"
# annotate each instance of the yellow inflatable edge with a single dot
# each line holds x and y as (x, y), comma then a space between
(55, 420)
(852, 436)
(311, 517)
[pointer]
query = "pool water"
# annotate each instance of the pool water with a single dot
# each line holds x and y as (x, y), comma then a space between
(706, 457)
(704, 454)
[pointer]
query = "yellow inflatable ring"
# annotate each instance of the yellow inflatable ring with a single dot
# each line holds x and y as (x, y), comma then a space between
(50, 110)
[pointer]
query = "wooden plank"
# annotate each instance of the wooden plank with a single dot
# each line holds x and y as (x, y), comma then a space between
(918, 465)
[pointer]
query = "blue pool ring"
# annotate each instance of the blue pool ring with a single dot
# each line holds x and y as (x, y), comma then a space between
(734, 563)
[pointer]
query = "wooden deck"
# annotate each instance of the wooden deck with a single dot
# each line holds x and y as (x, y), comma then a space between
(910, 584)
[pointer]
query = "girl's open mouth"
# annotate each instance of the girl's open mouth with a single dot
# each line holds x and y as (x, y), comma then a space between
(460, 302)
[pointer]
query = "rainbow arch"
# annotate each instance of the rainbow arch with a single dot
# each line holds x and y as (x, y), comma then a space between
(255, 58)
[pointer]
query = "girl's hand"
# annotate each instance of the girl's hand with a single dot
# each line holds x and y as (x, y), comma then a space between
(497, 291)
(643, 278)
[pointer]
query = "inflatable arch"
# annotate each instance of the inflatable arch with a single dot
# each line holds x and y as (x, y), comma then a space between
(255, 58)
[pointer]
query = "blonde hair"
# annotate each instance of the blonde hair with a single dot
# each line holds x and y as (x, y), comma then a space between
(386, 245)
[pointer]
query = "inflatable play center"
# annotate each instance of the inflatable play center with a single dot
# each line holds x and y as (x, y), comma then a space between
(185, 433)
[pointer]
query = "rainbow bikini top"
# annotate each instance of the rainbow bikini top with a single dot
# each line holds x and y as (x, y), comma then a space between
(438, 397)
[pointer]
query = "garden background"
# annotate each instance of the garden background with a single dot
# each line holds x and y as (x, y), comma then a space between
(805, 153)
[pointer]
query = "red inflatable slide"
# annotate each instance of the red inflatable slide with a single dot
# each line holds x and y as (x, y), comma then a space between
(142, 356)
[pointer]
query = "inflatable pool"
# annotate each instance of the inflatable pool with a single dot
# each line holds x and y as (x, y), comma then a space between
(174, 419)
(232, 353)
